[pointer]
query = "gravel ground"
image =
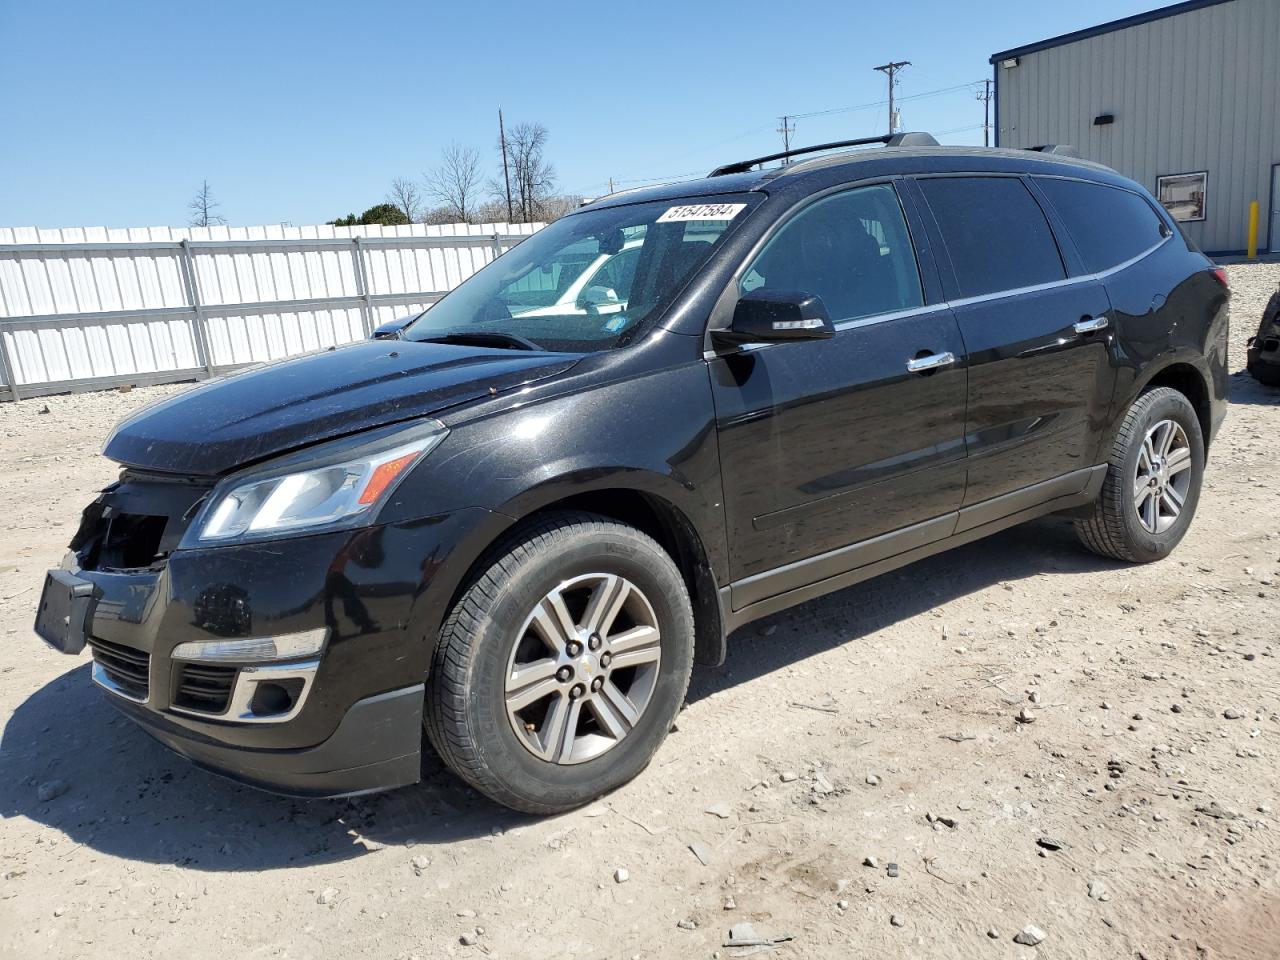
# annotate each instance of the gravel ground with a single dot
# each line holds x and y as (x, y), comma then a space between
(855, 776)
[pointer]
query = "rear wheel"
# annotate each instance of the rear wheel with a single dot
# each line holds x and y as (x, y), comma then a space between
(1153, 481)
(559, 671)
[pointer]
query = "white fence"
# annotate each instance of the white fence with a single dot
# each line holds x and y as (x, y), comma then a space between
(89, 307)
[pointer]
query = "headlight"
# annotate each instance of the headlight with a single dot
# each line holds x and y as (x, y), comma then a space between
(326, 494)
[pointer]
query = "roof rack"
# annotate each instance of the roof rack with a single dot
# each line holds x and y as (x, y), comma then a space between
(889, 140)
(1057, 149)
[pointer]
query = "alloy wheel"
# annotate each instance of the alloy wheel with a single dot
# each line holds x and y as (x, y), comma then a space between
(583, 668)
(1162, 477)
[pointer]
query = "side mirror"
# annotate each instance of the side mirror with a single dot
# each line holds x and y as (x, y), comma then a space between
(765, 316)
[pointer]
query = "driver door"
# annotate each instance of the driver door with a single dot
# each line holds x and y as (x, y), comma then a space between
(833, 454)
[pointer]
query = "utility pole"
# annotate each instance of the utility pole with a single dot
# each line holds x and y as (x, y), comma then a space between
(891, 69)
(506, 175)
(611, 190)
(786, 130)
(985, 96)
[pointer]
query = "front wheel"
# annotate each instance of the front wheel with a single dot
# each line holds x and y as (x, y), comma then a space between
(560, 670)
(1153, 481)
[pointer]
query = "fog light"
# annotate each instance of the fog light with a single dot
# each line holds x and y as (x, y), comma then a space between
(271, 698)
(289, 646)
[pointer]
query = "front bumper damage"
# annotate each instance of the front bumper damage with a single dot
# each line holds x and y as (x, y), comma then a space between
(346, 719)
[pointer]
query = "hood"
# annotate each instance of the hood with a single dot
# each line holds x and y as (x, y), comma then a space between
(270, 410)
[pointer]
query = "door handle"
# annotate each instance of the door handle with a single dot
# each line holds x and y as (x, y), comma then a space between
(933, 361)
(1092, 324)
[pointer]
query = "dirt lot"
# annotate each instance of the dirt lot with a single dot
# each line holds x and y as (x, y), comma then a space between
(868, 734)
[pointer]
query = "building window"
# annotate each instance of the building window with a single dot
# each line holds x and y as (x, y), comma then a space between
(1182, 194)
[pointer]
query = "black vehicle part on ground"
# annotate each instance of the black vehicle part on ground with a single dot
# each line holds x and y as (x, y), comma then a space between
(1263, 353)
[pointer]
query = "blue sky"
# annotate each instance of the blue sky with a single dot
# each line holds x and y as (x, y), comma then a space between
(111, 113)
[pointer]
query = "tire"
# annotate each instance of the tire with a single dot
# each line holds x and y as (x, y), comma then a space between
(506, 622)
(1116, 529)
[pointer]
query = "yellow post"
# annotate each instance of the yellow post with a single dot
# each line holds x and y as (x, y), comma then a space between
(1253, 230)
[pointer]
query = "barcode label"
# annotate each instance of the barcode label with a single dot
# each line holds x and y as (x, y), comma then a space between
(702, 211)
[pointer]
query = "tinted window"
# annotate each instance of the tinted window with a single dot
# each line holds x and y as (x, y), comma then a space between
(1108, 225)
(852, 250)
(996, 233)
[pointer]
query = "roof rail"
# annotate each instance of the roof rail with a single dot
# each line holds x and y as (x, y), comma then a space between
(889, 140)
(1057, 149)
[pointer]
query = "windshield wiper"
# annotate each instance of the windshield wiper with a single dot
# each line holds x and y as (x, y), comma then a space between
(484, 338)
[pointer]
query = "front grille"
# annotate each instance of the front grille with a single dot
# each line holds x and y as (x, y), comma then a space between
(203, 687)
(126, 668)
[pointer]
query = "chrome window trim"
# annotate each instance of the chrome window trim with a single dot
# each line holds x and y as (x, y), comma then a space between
(960, 302)
(875, 318)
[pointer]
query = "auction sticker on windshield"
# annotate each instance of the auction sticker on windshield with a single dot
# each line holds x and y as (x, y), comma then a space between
(702, 211)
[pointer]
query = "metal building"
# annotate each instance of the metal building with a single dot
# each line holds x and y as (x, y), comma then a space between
(1184, 99)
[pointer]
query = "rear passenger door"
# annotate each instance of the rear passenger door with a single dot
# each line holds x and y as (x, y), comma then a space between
(1040, 377)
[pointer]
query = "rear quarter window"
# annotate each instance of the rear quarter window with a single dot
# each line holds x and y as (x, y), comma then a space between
(995, 232)
(1108, 225)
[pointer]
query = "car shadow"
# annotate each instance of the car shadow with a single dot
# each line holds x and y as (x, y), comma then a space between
(1248, 392)
(1048, 545)
(127, 796)
(130, 797)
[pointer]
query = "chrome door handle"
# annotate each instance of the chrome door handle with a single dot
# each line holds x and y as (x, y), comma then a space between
(1092, 324)
(932, 362)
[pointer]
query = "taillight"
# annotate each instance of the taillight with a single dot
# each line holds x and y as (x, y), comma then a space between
(1220, 274)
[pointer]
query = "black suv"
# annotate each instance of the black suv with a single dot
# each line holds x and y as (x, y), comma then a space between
(520, 521)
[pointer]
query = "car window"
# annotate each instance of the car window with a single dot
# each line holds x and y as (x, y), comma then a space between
(1108, 225)
(995, 232)
(852, 250)
(550, 280)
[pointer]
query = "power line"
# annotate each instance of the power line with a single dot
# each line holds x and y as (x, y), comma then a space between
(944, 133)
(880, 103)
(791, 118)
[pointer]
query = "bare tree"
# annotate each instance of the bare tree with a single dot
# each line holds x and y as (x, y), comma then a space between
(491, 211)
(533, 178)
(405, 197)
(455, 183)
(555, 207)
(202, 206)
(440, 216)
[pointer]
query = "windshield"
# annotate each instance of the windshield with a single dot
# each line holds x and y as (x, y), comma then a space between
(589, 281)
